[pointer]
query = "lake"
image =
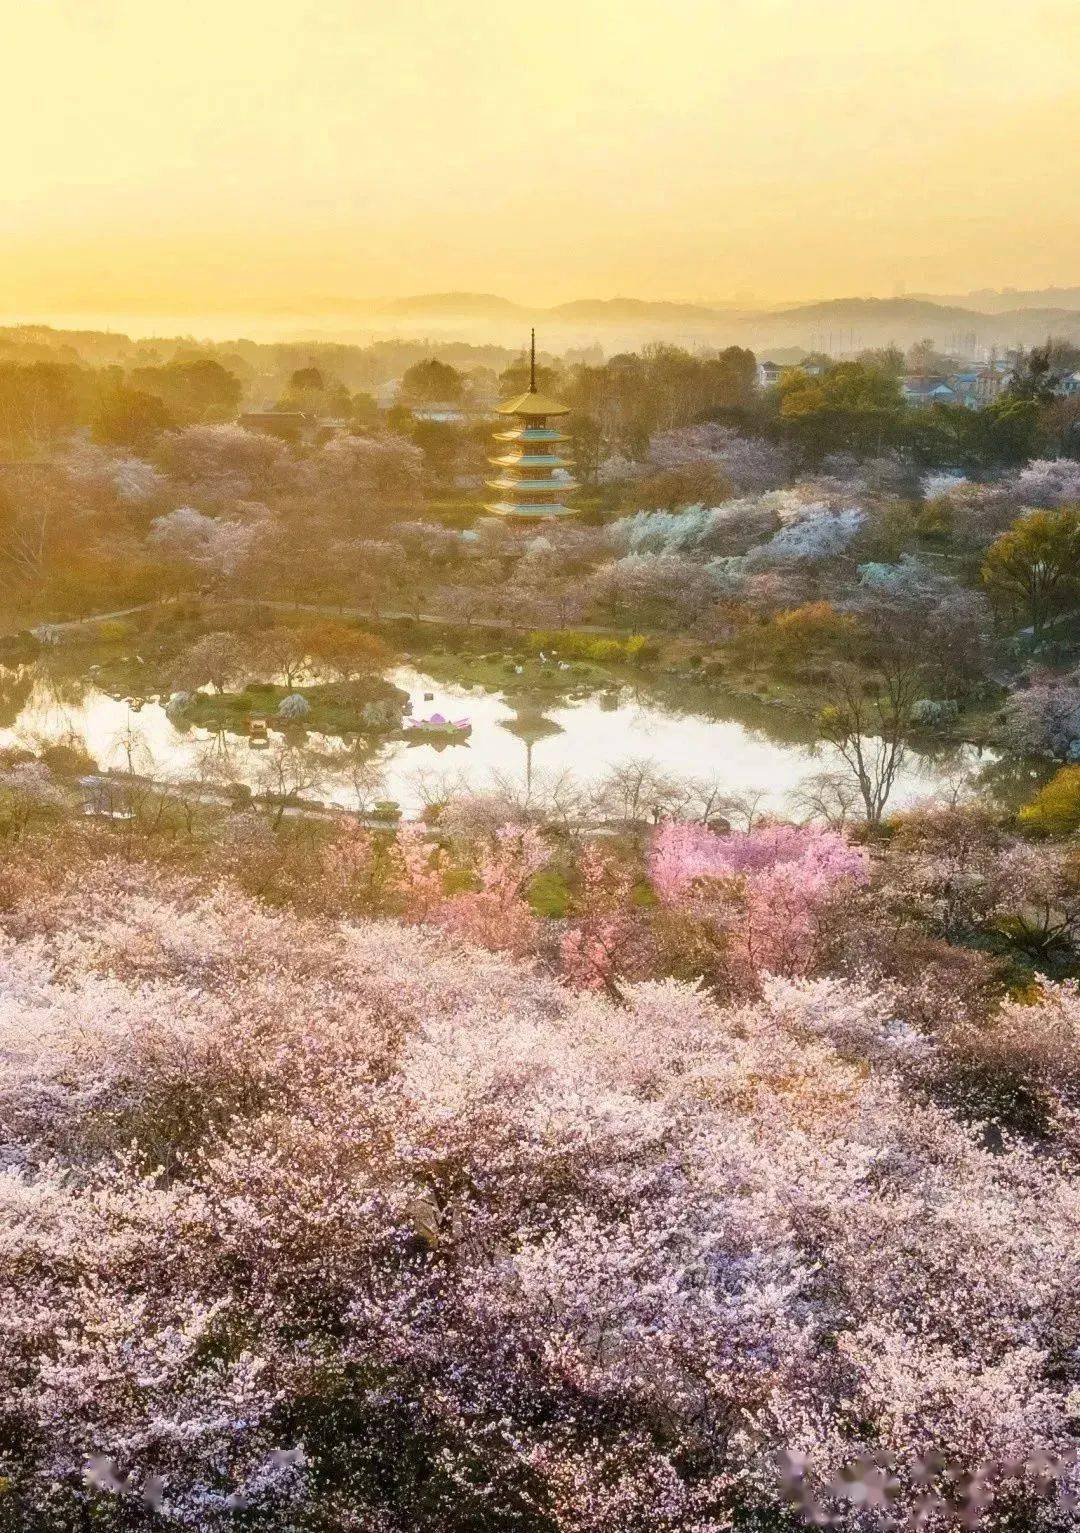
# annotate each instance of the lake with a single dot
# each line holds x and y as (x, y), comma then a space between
(744, 747)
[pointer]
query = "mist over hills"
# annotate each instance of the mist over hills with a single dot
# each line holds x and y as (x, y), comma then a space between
(443, 321)
(461, 305)
(849, 324)
(985, 302)
(1001, 300)
(628, 310)
(874, 311)
(836, 325)
(593, 310)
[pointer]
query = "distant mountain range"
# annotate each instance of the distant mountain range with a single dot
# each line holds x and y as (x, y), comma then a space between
(970, 325)
(1002, 300)
(591, 310)
(855, 311)
(933, 307)
(850, 324)
(838, 325)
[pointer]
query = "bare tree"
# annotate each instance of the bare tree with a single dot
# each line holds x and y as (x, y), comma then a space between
(831, 798)
(27, 540)
(202, 783)
(284, 773)
(359, 769)
(636, 790)
(131, 746)
(545, 798)
(867, 722)
(708, 799)
(434, 787)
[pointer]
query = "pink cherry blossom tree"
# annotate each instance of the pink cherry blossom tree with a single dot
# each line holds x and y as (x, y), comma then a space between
(312, 1222)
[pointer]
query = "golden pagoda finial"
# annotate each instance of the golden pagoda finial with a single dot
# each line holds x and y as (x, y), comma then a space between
(532, 361)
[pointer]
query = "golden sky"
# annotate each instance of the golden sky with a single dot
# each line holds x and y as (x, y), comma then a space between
(200, 155)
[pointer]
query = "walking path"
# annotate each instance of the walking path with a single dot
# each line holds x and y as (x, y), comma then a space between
(336, 610)
(100, 617)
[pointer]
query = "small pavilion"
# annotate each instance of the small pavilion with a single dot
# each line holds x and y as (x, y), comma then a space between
(533, 474)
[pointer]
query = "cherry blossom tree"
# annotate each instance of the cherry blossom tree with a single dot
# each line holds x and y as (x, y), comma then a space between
(219, 660)
(1049, 482)
(608, 937)
(767, 890)
(222, 463)
(314, 1223)
(382, 465)
(704, 528)
(132, 480)
(751, 465)
(28, 791)
(1044, 718)
(217, 545)
(669, 586)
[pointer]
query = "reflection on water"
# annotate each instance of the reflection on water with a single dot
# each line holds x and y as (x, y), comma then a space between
(743, 747)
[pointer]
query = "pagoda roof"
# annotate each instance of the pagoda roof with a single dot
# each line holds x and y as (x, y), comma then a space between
(532, 486)
(533, 403)
(531, 726)
(531, 434)
(529, 460)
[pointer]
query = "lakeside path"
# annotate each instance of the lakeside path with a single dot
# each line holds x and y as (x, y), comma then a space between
(182, 791)
(368, 614)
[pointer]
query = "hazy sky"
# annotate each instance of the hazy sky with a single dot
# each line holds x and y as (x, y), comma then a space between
(189, 155)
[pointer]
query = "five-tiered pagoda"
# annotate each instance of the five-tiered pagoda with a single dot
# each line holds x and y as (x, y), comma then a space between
(533, 477)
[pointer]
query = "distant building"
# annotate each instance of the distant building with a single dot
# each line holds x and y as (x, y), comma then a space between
(449, 413)
(769, 374)
(1069, 386)
(444, 413)
(921, 389)
(992, 382)
(966, 386)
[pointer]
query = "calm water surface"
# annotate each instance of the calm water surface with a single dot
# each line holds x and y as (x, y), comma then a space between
(755, 752)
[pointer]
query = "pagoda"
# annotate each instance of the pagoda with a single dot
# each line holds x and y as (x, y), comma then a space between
(532, 473)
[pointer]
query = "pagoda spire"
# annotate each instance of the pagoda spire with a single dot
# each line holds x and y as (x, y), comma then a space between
(533, 476)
